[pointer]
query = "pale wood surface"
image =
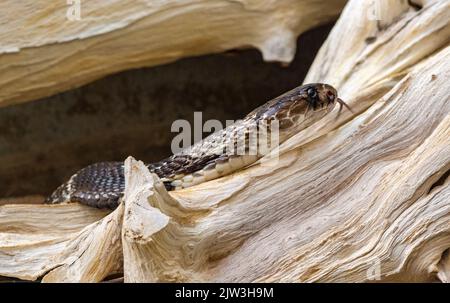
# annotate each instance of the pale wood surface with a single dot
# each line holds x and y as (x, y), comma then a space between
(354, 198)
(42, 52)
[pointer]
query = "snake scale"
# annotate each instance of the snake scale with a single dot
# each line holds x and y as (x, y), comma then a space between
(102, 184)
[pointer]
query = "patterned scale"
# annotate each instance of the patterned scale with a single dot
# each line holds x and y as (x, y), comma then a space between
(100, 184)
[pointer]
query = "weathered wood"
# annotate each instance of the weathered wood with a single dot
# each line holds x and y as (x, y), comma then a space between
(141, 221)
(366, 207)
(34, 239)
(44, 52)
(354, 198)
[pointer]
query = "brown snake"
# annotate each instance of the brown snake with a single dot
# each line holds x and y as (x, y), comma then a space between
(102, 184)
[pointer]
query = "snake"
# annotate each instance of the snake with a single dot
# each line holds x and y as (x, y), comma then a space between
(102, 184)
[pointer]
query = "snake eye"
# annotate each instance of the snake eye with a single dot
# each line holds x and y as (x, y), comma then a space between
(312, 93)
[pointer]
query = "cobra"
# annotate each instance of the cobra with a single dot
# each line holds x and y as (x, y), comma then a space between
(102, 184)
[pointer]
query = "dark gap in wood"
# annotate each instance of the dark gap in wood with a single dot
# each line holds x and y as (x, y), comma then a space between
(414, 5)
(370, 40)
(440, 181)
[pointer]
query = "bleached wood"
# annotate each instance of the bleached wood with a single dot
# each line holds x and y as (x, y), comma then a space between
(33, 238)
(42, 52)
(366, 200)
(92, 254)
(354, 198)
(141, 222)
(364, 71)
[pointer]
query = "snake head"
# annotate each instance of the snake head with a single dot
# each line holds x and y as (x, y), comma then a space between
(320, 96)
(313, 97)
(300, 107)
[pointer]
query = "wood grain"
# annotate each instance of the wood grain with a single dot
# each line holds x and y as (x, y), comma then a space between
(355, 198)
(43, 52)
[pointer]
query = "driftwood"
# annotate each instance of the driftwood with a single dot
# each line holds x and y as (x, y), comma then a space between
(354, 198)
(69, 45)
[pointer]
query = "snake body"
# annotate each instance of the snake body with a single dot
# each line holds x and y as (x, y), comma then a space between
(102, 184)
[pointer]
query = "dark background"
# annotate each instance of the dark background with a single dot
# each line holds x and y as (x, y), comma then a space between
(44, 142)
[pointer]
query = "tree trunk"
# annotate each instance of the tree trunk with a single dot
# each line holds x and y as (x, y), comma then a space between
(354, 198)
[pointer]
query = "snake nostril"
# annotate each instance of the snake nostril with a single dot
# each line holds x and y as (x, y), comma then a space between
(330, 96)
